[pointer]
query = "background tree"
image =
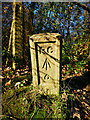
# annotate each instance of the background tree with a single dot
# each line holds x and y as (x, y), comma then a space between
(14, 32)
(65, 18)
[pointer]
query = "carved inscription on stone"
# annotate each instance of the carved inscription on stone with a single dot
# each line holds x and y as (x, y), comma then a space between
(45, 57)
(48, 50)
(46, 64)
(46, 77)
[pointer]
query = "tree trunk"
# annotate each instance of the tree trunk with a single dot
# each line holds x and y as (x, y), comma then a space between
(19, 35)
(31, 18)
(13, 40)
(68, 29)
(31, 12)
(24, 36)
(9, 42)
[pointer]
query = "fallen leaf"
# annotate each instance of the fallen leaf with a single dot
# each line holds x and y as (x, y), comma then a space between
(8, 83)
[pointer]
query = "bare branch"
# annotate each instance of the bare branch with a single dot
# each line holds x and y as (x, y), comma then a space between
(83, 6)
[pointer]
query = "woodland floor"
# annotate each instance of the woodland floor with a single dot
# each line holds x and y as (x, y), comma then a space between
(78, 85)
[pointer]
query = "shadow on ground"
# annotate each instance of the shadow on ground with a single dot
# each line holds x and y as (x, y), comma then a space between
(80, 87)
(79, 82)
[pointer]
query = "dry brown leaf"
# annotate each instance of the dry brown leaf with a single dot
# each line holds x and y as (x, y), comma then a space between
(8, 83)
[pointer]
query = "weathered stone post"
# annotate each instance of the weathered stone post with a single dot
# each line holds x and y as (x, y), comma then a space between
(45, 58)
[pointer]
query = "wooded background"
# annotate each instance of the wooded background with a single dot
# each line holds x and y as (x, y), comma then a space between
(20, 20)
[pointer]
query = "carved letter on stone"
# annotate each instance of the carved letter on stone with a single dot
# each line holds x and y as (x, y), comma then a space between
(46, 64)
(46, 77)
(45, 60)
(49, 49)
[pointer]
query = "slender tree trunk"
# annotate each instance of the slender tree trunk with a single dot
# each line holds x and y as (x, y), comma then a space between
(9, 42)
(24, 36)
(41, 20)
(85, 21)
(85, 14)
(13, 40)
(50, 21)
(68, 29)
(31, 12)
(19, 35)
(65, 18)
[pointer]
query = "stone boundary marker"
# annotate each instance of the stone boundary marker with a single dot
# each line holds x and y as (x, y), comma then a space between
(45, 58)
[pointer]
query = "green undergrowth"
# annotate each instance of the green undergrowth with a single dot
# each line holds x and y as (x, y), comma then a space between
(16, 102)
(21, 103)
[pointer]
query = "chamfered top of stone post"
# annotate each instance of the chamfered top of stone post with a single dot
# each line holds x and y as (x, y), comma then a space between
(41, 37)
